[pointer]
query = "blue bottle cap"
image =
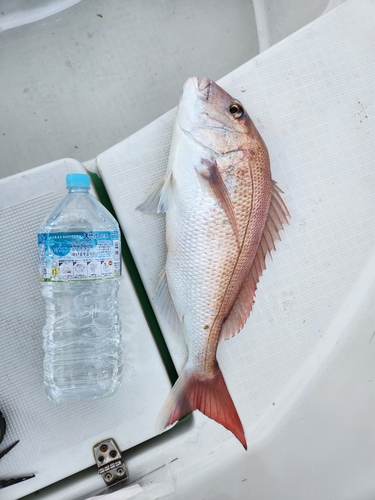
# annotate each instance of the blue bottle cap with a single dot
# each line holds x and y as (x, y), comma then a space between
(77, 180)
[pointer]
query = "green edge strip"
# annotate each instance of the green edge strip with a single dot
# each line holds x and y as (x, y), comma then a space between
(138, 285)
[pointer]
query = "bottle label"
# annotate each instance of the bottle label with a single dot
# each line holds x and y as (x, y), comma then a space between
(79, 256)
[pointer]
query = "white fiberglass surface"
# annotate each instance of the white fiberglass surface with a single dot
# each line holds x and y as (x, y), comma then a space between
(16, 13)
(277, 20)
(56, 441)
(301, 371)
(77, 82)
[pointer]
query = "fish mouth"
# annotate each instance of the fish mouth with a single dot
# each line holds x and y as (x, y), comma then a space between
(206, 82)
(203, 87)
(195, 95)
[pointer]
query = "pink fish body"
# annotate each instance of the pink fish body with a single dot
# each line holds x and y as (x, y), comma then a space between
(223, 214)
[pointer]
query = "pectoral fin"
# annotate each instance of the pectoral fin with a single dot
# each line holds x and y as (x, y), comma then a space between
(277, 216)
(210, 172)
(158, 199)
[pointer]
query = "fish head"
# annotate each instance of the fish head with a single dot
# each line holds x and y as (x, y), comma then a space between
(212, 117)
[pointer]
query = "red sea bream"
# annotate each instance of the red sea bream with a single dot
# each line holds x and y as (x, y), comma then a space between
(223, 214)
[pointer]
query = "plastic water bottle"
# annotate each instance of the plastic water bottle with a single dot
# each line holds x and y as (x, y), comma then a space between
(80, 266)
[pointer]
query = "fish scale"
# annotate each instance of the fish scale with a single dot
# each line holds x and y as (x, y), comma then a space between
(223, 213)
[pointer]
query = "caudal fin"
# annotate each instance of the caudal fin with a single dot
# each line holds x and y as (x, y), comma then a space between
(210, 396)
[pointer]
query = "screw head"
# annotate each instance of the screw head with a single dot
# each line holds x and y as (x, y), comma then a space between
(120, 471)
(108, 476)
(103, 448)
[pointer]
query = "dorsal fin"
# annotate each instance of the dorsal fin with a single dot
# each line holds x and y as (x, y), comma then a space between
(277, 216)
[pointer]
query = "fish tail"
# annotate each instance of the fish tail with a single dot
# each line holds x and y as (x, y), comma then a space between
(210, 396)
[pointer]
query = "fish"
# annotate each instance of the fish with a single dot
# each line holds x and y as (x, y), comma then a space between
(224, 213)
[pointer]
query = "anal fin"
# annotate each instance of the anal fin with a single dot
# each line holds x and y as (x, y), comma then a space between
(277, 216)
(165, 305)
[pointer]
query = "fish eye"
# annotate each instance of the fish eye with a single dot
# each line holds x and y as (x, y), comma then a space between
(236, 110)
